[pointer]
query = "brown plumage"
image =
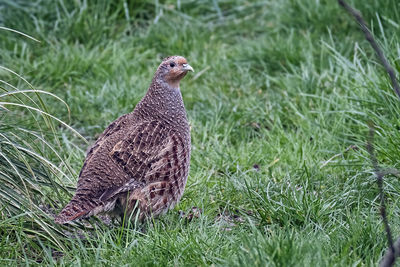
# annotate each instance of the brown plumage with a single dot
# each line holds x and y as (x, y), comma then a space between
(142, 159)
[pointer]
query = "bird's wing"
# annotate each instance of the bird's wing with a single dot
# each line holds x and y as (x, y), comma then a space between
(112, 128)
(150, 154)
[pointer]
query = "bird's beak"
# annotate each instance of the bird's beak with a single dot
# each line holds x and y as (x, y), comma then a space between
(187, 67)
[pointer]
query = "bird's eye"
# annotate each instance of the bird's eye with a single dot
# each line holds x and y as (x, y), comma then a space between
(172, 64)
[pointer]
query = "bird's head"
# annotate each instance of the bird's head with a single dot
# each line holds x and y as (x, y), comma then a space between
(172, 70)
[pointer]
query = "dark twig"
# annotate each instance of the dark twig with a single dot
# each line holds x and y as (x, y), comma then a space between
(363, 25)
(394, 249)
(389, 257)
(379, 177)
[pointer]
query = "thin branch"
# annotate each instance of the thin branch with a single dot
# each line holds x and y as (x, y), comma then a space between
(379, 176)
(363, 25)
(389, 257)
(392, 253)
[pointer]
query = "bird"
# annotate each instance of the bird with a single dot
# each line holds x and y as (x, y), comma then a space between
(140, 163)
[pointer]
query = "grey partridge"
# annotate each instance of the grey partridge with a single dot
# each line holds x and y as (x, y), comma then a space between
(141, 161)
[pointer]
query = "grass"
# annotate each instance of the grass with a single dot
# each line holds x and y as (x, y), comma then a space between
(282, 89)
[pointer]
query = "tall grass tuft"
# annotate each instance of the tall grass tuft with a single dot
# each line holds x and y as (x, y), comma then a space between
(32, 168)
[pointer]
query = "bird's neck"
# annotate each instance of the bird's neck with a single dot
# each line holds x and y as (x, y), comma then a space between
(164, 102)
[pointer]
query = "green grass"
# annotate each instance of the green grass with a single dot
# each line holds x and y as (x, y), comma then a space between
(281, 90)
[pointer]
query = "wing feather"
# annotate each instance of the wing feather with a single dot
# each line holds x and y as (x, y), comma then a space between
(137, 157)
